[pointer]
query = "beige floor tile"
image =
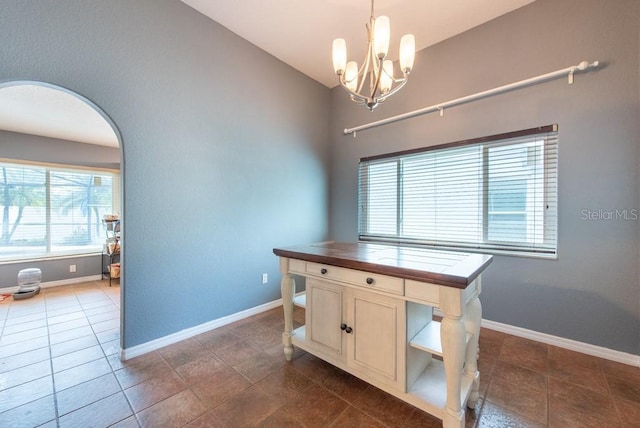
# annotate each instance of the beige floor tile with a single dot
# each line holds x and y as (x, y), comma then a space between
(68, 325)
(40, 315)
(51, 320)
(82, 373)
(154, 390)
(520, 398)
(32, 414)
(73, 345)
(24, 326)
(24, 374)
(175, 411)
(105, 412)
(25, 393)
(248, 408)
(202, 369)
(220, 387)
(316, 406)
(23, 359)
(76, 358)
(183, 352)
(86, 393)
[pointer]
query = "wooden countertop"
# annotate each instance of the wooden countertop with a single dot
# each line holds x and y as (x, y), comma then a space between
(448, 268)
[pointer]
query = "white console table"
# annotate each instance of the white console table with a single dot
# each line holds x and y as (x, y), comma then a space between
(369, 311)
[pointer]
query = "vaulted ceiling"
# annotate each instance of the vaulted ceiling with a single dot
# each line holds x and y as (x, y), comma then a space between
(298, 32)
(301, 32)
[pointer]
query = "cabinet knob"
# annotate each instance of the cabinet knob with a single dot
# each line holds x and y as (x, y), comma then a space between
(343, 326)
(323, 271)
(348, 330)
(369, 280)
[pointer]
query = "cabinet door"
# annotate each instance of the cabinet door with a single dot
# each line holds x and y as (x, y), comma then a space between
(377, 343)
(324, 317)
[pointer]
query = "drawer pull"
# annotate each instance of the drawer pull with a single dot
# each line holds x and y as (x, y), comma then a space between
(343, 326)
(323, 271)
(369, 280)
(348, 330)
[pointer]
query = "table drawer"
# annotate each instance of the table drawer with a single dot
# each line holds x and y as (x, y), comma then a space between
(423, 291)
(369, 280)
(430, 293)
(297, 266)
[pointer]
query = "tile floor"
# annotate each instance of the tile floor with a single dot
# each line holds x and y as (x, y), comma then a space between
(59, 367)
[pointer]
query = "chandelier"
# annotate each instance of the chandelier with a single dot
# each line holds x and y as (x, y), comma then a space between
(375, 69)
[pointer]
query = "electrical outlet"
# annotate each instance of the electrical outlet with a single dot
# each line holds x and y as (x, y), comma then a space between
(72, 268)
(265, 278)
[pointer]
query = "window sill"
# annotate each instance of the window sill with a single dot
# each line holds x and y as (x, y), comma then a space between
(463, 249)
(48, 258)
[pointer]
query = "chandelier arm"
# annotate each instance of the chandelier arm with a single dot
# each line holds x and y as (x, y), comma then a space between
(378, 76)
(364, 70)
(362, 73)
(356, 97)
(392, 91)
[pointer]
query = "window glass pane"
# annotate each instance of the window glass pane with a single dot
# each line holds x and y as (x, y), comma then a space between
(382, 198)
(53, 211)
(507, 210)
(516, 193)
(75, 210)
(441, 196)
(23, 204)
(495, 193)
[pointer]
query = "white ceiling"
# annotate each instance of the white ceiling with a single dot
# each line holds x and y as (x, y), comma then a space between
(300, 32)
(50, 112)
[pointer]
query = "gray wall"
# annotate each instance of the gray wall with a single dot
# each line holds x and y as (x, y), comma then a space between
(224, 148)
(15, 145)
(591, 293)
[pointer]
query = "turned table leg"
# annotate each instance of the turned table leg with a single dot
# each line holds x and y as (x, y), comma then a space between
(287, 289)
(472, 325)
(453, 338)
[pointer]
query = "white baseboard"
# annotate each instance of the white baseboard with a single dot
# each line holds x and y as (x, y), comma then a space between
(134, 351)
(560, 342)
(49, 284)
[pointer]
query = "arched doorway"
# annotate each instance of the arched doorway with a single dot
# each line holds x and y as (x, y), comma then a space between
(58, 134)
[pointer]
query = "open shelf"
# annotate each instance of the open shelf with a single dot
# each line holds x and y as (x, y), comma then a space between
(299, 337)
(428, 339)
(300, 300)
(431, 386)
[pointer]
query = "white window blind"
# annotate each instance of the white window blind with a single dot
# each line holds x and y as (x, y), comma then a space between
(52, 210)
(495, 194)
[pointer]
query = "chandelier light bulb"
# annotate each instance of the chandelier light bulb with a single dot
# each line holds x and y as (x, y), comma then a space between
(386, 79)
(407, 53)
(339, 56)
(351, 76)
(381, 35)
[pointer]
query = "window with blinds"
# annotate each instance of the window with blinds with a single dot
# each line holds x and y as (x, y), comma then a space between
(51, 211)
(495, 194)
